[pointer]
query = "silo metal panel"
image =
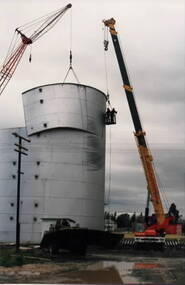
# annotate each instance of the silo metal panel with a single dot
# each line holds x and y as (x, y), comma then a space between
(64, 105)
(72, 181)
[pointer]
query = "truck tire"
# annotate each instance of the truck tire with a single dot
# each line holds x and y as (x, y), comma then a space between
(53, 247)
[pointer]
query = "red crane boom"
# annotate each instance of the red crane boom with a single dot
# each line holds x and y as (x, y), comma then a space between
(13, 58)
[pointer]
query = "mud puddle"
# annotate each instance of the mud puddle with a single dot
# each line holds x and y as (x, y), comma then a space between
(145, 270)
(100, 268)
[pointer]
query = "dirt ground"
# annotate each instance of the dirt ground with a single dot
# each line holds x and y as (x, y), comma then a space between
(100, 267)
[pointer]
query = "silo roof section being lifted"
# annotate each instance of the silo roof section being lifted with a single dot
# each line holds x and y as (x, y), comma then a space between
(65, 105)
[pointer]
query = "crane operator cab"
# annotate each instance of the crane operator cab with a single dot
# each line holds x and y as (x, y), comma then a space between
(110, 116)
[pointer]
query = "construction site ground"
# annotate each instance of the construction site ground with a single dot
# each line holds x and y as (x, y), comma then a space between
(98, 267)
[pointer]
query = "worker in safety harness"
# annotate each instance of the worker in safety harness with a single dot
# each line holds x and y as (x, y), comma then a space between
(113, 116)
(108, 116)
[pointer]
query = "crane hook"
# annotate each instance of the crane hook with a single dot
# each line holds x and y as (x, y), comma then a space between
(70, 59)
(106, 43)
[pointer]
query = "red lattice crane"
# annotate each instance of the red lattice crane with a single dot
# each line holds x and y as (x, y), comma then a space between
(34, 30)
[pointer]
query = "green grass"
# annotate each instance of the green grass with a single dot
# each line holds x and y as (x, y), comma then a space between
(9, 258)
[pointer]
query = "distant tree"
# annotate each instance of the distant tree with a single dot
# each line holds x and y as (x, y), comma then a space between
(183, 226)
(174, 212)
(111, 216)
(133, 220)
(123, 221)
(140, 218)
(115, 216)
(106, 215)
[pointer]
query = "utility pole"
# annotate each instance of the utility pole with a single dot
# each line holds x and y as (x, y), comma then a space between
(21, 151)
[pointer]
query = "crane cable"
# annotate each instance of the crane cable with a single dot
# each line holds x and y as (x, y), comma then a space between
(161, 189)
(42, 25)
(28, 26)
(109, 167)
(11, 48)
(106, 69)
(105, 42)
(70, 68)
(159, 183)
(158, 180)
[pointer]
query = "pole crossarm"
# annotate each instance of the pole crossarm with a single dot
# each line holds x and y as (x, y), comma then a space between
(23, 138)
(20, 152)
(20, 146)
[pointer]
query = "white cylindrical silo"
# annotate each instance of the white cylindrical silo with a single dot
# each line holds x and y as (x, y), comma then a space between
(8, 183)
(64, 172)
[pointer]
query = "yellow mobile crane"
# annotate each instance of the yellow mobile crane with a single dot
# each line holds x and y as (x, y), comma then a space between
(163, 223)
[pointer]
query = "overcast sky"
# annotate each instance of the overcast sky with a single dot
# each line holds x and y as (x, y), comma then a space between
(151, 33)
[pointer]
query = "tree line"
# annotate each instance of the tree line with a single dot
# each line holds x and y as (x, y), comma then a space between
(128, 221)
